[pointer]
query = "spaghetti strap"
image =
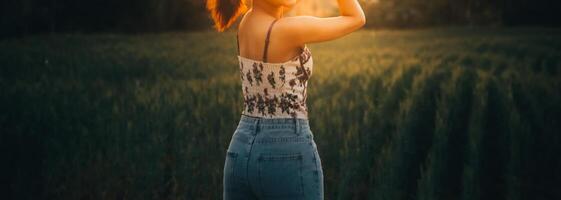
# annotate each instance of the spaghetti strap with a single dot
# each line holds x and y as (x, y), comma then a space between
(265, 50)
(238, 40)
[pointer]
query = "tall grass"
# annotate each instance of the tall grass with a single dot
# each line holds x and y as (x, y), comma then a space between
(426, 114)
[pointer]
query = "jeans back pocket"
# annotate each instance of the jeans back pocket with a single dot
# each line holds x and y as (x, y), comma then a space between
(280, 175)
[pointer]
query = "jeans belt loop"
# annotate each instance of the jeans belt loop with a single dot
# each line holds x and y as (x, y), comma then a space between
(256, 124)
(297, 124)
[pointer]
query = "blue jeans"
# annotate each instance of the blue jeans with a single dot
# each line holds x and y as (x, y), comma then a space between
(272, 159)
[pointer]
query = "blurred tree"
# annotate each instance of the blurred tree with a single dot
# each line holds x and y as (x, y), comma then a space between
(410, 13)
(23, 17)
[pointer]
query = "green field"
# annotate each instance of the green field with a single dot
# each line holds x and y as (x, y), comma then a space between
(451, 113)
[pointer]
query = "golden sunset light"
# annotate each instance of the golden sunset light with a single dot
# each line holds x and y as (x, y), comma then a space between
(290, 99)
(319, 8)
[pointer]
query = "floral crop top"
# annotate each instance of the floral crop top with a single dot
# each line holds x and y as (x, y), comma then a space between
(275, 90)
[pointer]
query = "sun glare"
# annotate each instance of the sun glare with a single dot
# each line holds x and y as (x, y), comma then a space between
(320, 8)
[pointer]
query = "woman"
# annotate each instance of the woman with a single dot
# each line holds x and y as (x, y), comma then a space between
(272, 153)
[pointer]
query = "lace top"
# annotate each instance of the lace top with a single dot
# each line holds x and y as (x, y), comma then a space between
(275, 90)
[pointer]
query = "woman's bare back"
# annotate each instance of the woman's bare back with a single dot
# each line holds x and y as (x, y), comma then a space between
(252, 32)
(290, 34)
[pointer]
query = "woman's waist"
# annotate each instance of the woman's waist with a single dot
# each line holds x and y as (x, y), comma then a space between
(280, 112)
(272, 122)
(273, 130)
(286, 91)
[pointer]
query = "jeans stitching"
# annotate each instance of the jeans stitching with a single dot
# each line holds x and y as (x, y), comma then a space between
(233, 156)
(318, 167)
(271, 126)
(282, 140)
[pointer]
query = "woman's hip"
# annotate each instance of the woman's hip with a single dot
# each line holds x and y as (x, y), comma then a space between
(280, 155)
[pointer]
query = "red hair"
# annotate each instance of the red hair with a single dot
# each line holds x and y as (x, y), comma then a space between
(225, 12)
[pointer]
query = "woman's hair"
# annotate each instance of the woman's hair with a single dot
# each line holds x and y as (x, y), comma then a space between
(225, 12)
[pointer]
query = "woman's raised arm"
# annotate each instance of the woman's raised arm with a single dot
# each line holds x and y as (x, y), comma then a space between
(309, 29)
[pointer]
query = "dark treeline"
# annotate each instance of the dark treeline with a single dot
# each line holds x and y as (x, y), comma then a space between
(24, 17)
(414, 13)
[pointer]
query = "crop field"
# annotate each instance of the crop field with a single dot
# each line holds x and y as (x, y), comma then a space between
(451, 113)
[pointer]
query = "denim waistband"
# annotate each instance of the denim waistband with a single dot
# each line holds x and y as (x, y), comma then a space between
(298, 123)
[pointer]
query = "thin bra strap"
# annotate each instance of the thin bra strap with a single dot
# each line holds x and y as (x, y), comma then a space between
(238, 40)
(267, 41)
